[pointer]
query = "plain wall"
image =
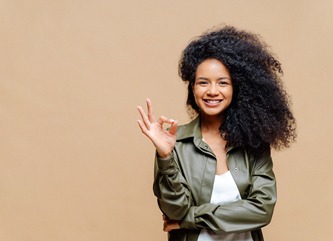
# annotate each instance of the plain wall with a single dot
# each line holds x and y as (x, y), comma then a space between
(74, 165)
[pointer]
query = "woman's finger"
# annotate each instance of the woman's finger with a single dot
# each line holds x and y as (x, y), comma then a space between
(163, 120)
(173, 124)
(144, 117)
(150, 109)
(143, 127)
(169, 225)
(166, 226)
(173, 128)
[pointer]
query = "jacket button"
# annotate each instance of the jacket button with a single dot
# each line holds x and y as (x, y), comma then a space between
(236, 169)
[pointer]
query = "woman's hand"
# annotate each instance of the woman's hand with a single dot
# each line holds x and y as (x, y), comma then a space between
(169, 225)
(163, 140)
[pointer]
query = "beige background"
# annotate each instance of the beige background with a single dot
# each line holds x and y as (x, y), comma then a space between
(74, 165)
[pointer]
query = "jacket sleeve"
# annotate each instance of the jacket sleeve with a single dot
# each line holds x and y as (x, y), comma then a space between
(243, 215)
(170, 188)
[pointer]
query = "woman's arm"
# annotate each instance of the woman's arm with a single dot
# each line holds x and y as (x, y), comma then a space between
(248, 214)
(171, 189)
(169, 184)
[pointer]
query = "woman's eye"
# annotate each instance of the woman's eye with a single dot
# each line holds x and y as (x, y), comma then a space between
(202, 82)
(223, 82)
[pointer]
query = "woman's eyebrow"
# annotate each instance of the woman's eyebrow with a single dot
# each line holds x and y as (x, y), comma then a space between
(203, 78)
(221, 78)
(224, 78)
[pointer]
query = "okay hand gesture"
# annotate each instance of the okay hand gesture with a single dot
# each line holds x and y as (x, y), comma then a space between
(163, 140)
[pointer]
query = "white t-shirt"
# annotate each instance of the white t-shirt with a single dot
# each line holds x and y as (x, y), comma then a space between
(224, 191)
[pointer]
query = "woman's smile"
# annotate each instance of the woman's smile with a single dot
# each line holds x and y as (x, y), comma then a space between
(212, 102)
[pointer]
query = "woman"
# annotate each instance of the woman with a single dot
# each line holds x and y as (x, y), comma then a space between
(213, 176)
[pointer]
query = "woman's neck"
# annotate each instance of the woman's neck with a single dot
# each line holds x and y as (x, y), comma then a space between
(211, 124)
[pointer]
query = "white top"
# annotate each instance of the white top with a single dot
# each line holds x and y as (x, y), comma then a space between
(224, 191)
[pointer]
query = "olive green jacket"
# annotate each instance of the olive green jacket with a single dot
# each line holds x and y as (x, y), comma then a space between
(183, 186)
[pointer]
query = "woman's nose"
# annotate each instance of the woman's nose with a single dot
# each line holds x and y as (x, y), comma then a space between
(212, 90)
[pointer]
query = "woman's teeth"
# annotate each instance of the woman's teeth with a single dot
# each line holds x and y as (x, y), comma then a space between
(213, 101)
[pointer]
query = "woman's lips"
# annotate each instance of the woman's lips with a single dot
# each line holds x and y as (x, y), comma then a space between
(212, 102)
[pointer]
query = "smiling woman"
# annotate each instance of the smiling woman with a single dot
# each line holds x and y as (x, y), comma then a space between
(214, 177)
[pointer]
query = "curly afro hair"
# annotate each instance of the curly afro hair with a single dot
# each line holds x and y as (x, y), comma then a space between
(259, 114)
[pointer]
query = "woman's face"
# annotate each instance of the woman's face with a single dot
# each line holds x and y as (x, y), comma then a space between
(212, 88)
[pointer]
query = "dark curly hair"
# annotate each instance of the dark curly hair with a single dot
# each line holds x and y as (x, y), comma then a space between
(259, 114)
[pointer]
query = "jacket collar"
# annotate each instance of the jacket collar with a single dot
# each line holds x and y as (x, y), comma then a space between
(190, 130)
(193, 130)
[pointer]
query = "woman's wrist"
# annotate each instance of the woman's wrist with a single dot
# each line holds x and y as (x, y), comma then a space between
(164, 156)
